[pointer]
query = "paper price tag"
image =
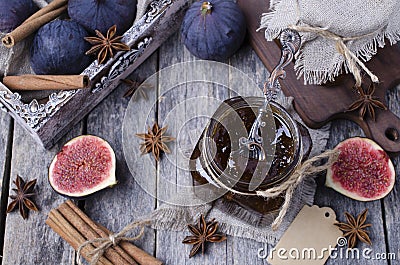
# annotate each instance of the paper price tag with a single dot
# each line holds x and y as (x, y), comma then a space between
(309, 239)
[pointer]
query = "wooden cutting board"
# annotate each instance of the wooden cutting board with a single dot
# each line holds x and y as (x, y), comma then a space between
(318, 105)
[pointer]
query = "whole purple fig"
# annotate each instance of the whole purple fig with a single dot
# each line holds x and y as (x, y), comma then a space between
(59, 48)
(103, 14)
(13, 13)
(213, 30)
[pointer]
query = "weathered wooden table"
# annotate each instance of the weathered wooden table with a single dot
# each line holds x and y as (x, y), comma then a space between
(32, 242)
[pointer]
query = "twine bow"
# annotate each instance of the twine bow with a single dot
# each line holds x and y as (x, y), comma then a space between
(307, 169)
(112, 240)
(353, 62)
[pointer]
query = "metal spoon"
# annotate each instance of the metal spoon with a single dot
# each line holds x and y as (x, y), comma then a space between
(290, 41)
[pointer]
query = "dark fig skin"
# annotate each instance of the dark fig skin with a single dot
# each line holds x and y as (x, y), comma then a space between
(216, 35)
(102, 14)
(14, 12)
(59, 48)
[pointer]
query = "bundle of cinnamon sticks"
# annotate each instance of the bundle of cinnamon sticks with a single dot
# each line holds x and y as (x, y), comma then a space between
(76, 228)
(34, 22)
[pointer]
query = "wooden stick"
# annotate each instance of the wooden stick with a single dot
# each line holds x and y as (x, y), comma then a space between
(142, 257)
(26, 29)
(112, 254)
(62, 227)
(46, 82)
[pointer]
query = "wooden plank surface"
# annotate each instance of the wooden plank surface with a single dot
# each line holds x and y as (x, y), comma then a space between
(341, 204)
(170, 245)
(132, 201)
(31, 242)
(390, 210)
(6, 133)
(183, 99)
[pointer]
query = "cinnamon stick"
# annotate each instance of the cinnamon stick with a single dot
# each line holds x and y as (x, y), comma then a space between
(142, 257)
(50, 7)
(70, 207)
(34, 22)
(112, 254)
(46, 82)
(62, 227)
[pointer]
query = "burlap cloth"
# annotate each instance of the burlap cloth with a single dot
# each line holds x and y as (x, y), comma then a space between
(368, 23)
(176, 218)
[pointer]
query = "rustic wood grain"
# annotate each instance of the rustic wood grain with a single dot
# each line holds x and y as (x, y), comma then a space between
(32, 241)
(335, 98)
(6, 130)
(341, 130)
(169, 244)
(391, 213)
(117, 207)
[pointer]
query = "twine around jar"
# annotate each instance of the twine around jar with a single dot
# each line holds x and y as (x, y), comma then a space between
(306, 169)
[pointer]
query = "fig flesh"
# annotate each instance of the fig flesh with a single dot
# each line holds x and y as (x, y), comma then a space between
(84, 165)
(59, 48)
(363, 170)
(103, 14)
(13, 13)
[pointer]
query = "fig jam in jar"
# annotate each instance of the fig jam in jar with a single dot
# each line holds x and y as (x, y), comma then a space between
(218, 159)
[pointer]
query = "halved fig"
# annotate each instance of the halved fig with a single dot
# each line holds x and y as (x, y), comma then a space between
(363, 170)
(84, 165)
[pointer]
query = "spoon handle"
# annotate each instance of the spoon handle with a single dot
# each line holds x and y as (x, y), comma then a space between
(290, 41)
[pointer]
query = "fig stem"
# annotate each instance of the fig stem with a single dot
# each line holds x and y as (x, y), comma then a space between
(206, 8)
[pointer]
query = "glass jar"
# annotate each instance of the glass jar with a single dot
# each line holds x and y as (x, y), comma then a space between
(218, 159)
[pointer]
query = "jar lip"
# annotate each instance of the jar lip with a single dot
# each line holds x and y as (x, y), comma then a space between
(277, 110)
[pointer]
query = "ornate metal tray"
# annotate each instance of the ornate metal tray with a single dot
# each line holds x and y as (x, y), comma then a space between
(48, 119)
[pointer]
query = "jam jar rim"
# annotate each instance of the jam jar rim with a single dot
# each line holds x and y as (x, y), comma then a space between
(216, 170)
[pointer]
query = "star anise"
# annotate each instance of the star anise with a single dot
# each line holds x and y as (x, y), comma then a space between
(22, 197)
(202, 233)
(154, 141)
(354, 229)
(135, 88)
(105, 46)
(367, 102)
